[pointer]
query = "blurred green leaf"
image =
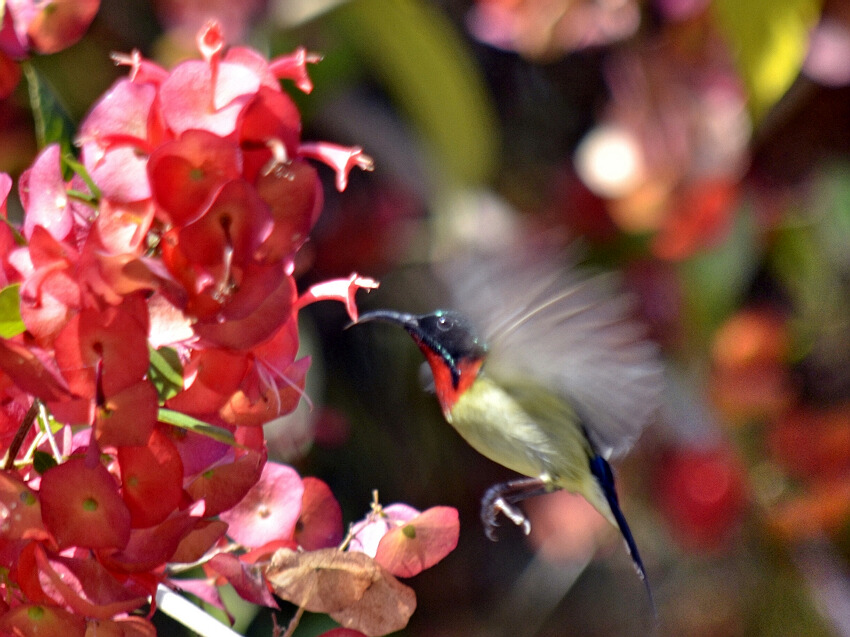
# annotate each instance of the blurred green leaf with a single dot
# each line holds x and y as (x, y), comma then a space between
(53, 124)
(10, 311)
(832, 206)
(165, 372)
(428, 69)
(716, 281)
(769, 40)
(188, 423)
(810, 259)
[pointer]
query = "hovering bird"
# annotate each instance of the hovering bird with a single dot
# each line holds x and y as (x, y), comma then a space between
(543, 372)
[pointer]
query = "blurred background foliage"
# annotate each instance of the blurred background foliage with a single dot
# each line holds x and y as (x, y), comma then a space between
(702, 148)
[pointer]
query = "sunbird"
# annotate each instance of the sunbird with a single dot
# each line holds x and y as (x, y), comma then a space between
(545, 372)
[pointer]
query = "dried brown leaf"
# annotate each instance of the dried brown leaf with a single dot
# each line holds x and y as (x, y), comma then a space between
(385, 607)
(349, 586)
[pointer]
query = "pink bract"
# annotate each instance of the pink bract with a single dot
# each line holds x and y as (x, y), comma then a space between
(269, 510)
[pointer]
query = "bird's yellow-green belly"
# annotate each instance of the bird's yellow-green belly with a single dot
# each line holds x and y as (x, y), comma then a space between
(523, 428)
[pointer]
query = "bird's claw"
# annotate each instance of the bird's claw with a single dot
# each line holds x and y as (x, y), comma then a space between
(513, 513)
(490, 510)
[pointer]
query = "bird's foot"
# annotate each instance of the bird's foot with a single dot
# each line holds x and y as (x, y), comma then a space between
(513, 513)
(488, 518)
(502, 498)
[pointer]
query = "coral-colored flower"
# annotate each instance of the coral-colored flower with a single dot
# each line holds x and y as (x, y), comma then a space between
(320, 524)
(152, 479)
(186, 173)
(21, 518)
(81, 505)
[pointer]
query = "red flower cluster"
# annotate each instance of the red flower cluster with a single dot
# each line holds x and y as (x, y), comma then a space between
(158, 326)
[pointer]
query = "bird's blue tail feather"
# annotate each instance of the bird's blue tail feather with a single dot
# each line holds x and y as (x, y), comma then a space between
(601, 470)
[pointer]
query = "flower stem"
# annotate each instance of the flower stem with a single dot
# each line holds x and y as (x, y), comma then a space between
(191, 616)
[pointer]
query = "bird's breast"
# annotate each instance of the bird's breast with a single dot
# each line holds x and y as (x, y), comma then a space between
(522, 427)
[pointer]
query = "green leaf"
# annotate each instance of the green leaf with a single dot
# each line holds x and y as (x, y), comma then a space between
(53, 124)
(165, 372)
(769, 40)
(189, 423)
(429, 70)
(42, 461)
(19, 238)
(716, 281)
(10, 311)
(72, 164)
(809, 258)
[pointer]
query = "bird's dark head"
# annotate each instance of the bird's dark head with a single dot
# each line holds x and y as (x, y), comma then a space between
(446, 337)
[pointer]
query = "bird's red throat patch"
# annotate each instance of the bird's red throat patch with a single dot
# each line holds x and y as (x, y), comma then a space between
(447, 393)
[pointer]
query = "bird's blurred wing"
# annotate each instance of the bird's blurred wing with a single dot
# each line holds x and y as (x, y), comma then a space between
(544, 319)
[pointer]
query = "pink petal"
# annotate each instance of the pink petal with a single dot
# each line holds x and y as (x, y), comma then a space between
(128, 417)
(192, 98)
(86, 587)
(341, 158)
(142, 70)
(33, 371)
(199, 540)
(232, 228)
(210, 377)
(21, 510)
(122, 229)
(122, 112)
(151, 547)
(185, 174)
(120, 172)
(342, 290)
(261, 324)
(152, 479)
(44, 196)
(223, 486)
(294, 194)
(5, 189)
(294, 67)
(246, 579)
(270, 510)
(409, 549)
(320, 523)
(60, 23)
(204, 589)
(367, 534)
(117, 336)
(210, 40)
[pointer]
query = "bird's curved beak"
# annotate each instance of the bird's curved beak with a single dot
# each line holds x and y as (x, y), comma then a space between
(408, 321)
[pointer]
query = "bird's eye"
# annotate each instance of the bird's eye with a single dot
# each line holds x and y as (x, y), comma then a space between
(443, 323)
